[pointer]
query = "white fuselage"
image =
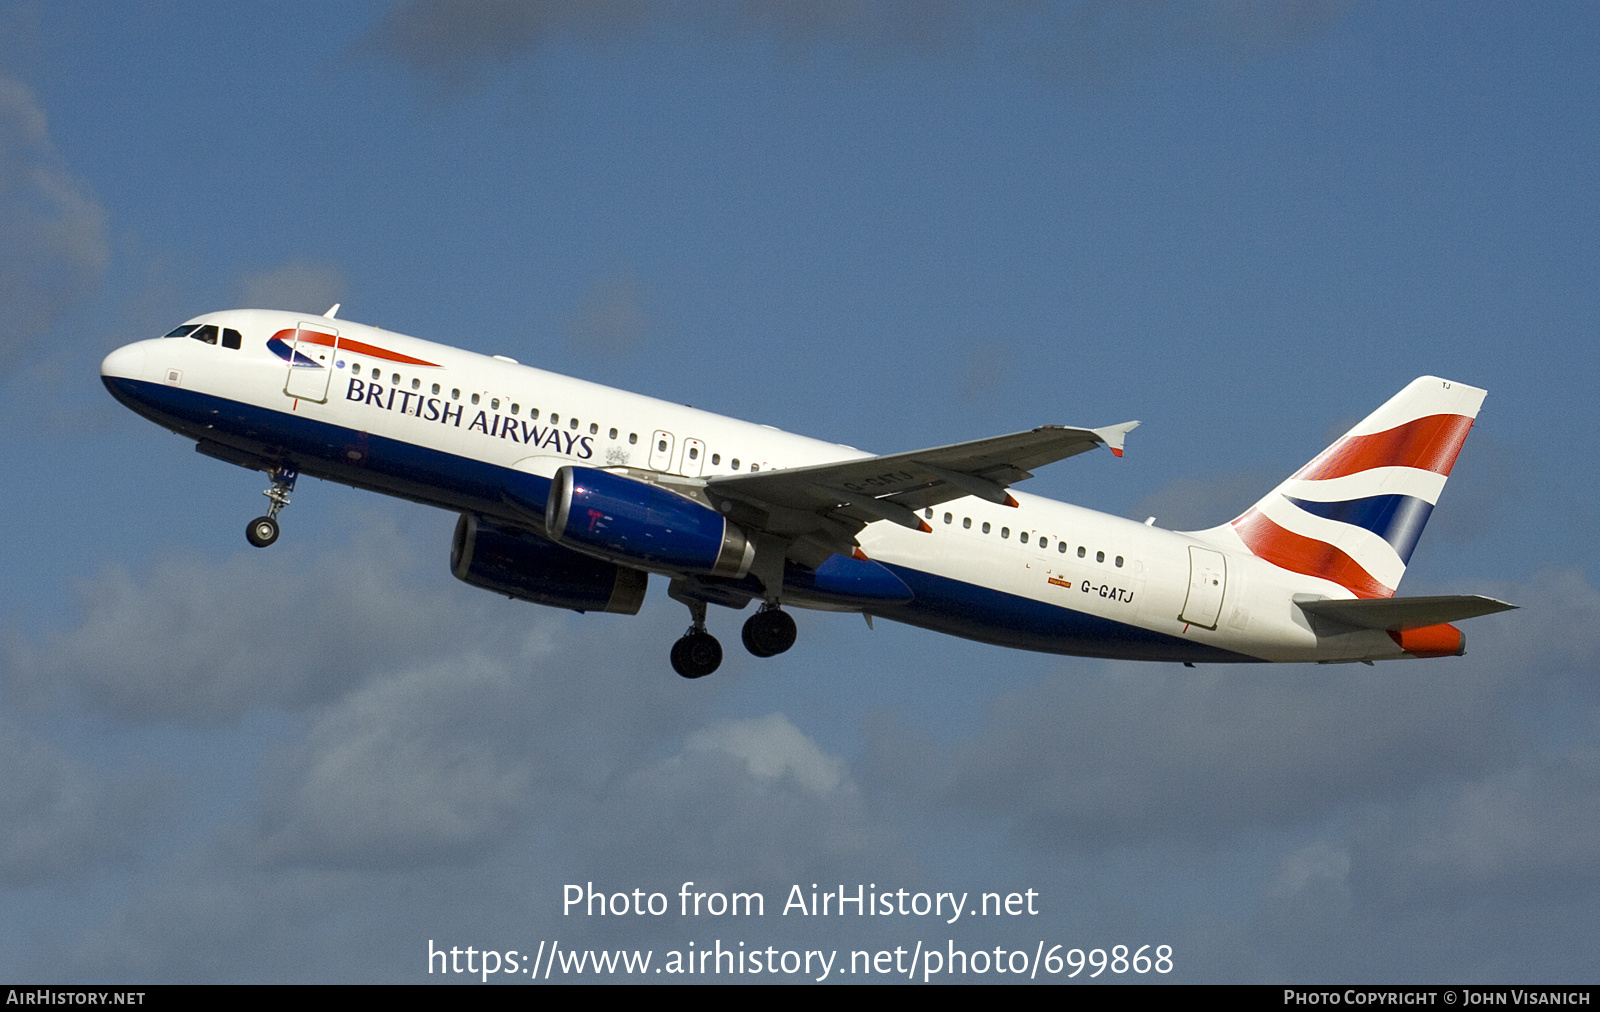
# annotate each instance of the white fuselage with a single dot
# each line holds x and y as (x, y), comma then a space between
(492, 411)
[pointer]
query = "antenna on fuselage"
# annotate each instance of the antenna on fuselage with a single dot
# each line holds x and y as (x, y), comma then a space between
(332, 311)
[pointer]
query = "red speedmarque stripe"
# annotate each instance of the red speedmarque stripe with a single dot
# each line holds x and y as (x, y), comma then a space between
(353, 347)
(1430, 443)
(1300, 554)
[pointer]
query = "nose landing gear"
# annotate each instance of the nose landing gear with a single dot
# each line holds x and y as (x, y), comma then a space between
(263, 531)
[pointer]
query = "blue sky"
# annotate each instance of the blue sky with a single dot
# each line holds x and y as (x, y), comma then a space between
(890, 225)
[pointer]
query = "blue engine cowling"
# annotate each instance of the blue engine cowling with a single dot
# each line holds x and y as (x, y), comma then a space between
(522, 565)
(636, 523)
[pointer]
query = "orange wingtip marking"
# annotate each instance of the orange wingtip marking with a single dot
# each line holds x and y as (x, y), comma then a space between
(859, 554)
(1116, 451)
(923, 526)
(1010, 501)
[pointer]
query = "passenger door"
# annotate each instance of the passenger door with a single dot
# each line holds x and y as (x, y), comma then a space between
(1208, 581)
(661, 451)
(311, 356)
(694, 457)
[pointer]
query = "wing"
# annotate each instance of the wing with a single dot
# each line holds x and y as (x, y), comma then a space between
(828, 504)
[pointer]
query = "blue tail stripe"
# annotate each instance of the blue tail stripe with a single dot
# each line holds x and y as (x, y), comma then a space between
(1397, 519)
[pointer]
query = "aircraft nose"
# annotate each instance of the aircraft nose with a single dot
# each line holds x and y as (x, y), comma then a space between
(126, 362)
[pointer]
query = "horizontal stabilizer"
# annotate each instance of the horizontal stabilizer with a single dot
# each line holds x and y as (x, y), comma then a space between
(1397, 614)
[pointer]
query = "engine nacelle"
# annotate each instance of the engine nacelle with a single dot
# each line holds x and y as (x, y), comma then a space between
(641, 524)
(525, 566)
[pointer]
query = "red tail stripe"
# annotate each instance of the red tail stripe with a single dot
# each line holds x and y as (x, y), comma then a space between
(1300, 554)
(1430, 443)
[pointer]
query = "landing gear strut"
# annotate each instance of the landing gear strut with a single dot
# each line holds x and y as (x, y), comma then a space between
(263, 531)
(769, 632)
(697, 653)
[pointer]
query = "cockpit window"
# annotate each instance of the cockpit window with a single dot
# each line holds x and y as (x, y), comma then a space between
(208, 334)
(185, 330)
(231, 339)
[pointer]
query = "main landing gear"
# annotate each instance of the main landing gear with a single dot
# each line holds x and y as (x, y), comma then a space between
(769, 632)
(697, 653)
(263, 531)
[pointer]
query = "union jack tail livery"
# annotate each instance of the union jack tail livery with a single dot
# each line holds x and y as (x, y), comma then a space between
(1354, 513)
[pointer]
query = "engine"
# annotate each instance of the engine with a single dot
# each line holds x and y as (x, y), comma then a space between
(641, 524)
(522, 565)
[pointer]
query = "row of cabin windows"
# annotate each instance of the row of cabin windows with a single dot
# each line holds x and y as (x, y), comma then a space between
(210, 333)
(230, 338)
(1022, 536)
(376, 373)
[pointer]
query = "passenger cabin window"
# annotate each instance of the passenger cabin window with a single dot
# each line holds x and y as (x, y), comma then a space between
(633, 437)
(185, 330)
(966, 522)
(1061, 546)
(494, 404)
(986, 527)
(1119, 562)
(515, 407)
(1099, 556)
(395, 379)
(947, 518)
(1081, 551)
(614, 435)
(455, 393)
(716, 458)
(572, 424)
(694, 453)
(436, 388)
(416, 384)
(474, 398)
(736, 463)
(594, 429)
(1022, 536)
(1005, 532)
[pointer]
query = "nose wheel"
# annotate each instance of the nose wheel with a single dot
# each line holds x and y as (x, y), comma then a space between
(263, 531)
(769, 632)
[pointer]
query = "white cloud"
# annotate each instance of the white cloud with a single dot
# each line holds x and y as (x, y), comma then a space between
(53, 244)
(402, 772)
(57, 817)
(612, 320)
(771, 747)
(296, 286)
(198, 641)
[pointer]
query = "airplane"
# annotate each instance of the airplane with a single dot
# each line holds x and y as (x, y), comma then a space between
(571, 494)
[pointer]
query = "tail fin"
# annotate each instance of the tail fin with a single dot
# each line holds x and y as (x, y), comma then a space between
(1354, 513)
